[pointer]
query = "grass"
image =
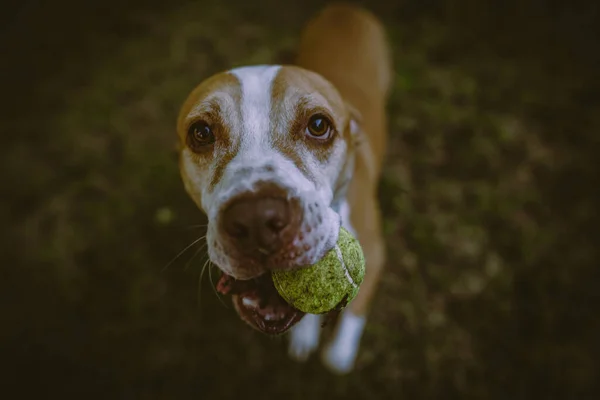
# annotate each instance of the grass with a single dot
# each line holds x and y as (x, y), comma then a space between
(490, 212)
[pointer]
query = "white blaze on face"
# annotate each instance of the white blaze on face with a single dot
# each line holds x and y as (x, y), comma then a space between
(256, 82)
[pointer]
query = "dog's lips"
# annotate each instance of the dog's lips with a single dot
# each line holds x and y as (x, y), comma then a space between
(259, 304)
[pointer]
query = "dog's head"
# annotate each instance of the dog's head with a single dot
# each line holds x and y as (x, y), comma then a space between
(266, 153)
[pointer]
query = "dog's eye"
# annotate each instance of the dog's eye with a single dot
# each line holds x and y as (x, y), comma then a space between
(200, 134)
(319, 127)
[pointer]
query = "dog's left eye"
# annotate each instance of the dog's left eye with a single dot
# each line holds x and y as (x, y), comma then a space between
(319, 127)
(200, 134)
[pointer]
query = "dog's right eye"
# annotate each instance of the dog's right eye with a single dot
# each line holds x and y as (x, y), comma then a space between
(319, 127)
(200, 135)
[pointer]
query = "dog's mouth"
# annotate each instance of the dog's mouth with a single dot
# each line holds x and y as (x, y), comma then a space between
(258, 303)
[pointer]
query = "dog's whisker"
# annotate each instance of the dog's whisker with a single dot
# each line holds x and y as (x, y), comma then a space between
(197, 226)
(181, 252)
(200, 249)
(187, 265)
(200, 281)
(212, 284)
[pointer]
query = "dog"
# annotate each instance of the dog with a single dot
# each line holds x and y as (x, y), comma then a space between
(279, 157)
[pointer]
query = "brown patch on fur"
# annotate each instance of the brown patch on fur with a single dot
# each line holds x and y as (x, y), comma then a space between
(212, 117)
(223, 82)
(221, 164)
(216, 101)
(292, 110)
(321, 148)
(347, 45)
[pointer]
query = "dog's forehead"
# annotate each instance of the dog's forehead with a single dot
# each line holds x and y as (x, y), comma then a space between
(281, 89)
(293, 84)
(257, 89)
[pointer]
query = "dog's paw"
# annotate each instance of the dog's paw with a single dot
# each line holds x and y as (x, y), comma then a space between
(304, 337)
(340, 353)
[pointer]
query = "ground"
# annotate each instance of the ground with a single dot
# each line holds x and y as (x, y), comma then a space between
(490, 198)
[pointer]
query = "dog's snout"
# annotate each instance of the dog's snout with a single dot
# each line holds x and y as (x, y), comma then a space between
(256, 224)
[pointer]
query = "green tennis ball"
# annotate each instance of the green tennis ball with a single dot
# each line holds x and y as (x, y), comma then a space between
(327, 285)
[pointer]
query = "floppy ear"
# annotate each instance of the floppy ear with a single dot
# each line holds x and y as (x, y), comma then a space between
(354, 128)
(355, 124)
(359, 139)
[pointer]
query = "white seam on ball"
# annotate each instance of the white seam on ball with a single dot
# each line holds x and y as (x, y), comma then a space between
(341, 258)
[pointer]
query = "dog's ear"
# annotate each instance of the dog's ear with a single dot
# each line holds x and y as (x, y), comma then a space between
(355, 124)
(360, 139)
(355, 130)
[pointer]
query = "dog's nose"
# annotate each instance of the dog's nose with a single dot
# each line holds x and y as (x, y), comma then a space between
(257, 223)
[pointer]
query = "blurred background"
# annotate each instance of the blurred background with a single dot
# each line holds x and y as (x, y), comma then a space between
(490, 197)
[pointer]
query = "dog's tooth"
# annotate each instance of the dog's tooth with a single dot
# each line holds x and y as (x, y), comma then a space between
(250, 303)
(276, 315)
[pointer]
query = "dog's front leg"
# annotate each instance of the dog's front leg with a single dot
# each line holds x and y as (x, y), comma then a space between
(304, 337)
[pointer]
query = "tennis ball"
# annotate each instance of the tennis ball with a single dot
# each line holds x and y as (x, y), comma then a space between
(327, 285)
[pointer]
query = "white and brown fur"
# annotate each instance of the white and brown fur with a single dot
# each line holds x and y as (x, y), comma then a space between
(343, 70)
